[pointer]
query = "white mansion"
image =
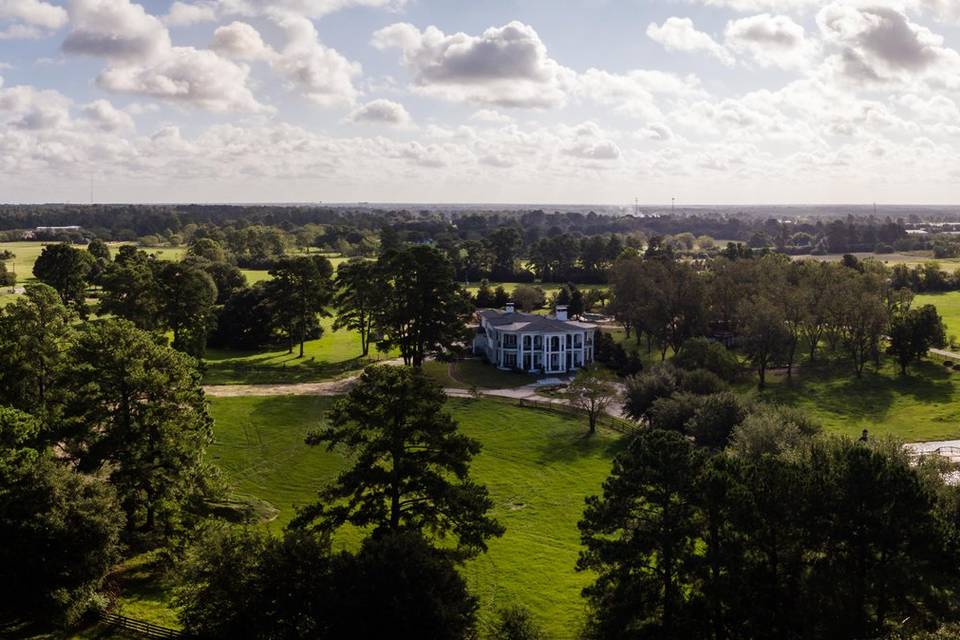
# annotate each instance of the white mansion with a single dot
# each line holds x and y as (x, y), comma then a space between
(537, 344)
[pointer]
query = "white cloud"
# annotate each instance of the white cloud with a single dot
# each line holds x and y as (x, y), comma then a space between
(320, 73)
(504, 66)
(183, 14)
(240, 41)
(105, 117)
(115, 29)
(308, 8)
(189, 76)
(144, 62)
(773, 41)
(384, 112)
(879, 44)
(680, 34)
(491, 116)
(29, 18)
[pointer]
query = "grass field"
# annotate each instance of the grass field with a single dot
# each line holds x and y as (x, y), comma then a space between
(466, 374)
(947, 304)
(336, 353)
(538, 466)
(921, 406)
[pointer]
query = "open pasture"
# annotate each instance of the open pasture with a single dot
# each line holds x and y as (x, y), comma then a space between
(538, 466)
(335, 354)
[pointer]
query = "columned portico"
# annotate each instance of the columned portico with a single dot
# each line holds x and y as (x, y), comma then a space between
(534, 343)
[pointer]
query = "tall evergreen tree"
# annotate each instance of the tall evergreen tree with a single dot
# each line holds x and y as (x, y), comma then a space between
(137, 413)
(300, 291)
(411, 468)
(357, 292)
(421, 310)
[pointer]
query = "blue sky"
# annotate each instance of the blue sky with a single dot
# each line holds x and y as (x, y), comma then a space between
(585, 101)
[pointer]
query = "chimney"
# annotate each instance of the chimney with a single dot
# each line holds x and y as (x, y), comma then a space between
(562, 312)
(511, 307)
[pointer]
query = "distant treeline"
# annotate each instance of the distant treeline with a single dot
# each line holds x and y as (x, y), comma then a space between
(504, 246)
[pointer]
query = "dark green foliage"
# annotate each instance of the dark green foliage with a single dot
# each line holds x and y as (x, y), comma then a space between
(250, 585)
(516, 623)
(60, 530)
(187, 296)
(137, 413)
(484, 298)
(7, 278)
(645, 388)
(356, 298)
(715, 420)
(66, 269)
(766, 338)
(227, 278)
(701, 382)
(411, 469)
(703, 353)
(834, 539)
(246, 320)
(99, 250)
(399, 586)
(35, 333)
(528, 298)
(640, 537)
(672, 413)
(208, 250)
(130, 290)
(420, 310)
(913, 333)
(773, 430)
(299, 292)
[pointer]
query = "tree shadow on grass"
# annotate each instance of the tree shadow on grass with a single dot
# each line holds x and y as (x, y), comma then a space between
(579, 443)
(838, 391)
(306, 370)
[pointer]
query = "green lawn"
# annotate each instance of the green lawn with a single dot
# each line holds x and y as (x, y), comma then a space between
(335, 354)
(466, 374)
(948, 305)
(921, 406)
(538, 466)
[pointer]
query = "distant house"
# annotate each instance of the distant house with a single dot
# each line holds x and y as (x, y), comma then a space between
(41, 232)
(536, 344)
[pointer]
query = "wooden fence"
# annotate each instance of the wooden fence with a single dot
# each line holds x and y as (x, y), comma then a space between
(140, 628)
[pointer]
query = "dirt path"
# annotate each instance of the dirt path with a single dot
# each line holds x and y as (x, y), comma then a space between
(333, 388)
(945, 354)
(527, 393)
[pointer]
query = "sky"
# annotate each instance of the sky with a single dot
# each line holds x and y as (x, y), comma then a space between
(480, 101)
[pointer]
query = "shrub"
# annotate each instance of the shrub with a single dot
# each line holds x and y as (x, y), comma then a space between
(516, 623)
(771, 429)
(643, 389)
(702, 382)
(703, 353)
(673, 413)
(716, 419)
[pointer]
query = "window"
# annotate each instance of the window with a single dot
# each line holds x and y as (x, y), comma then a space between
(510, 341)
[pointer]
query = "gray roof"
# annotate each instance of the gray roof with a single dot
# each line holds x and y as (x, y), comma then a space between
(531, 322)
